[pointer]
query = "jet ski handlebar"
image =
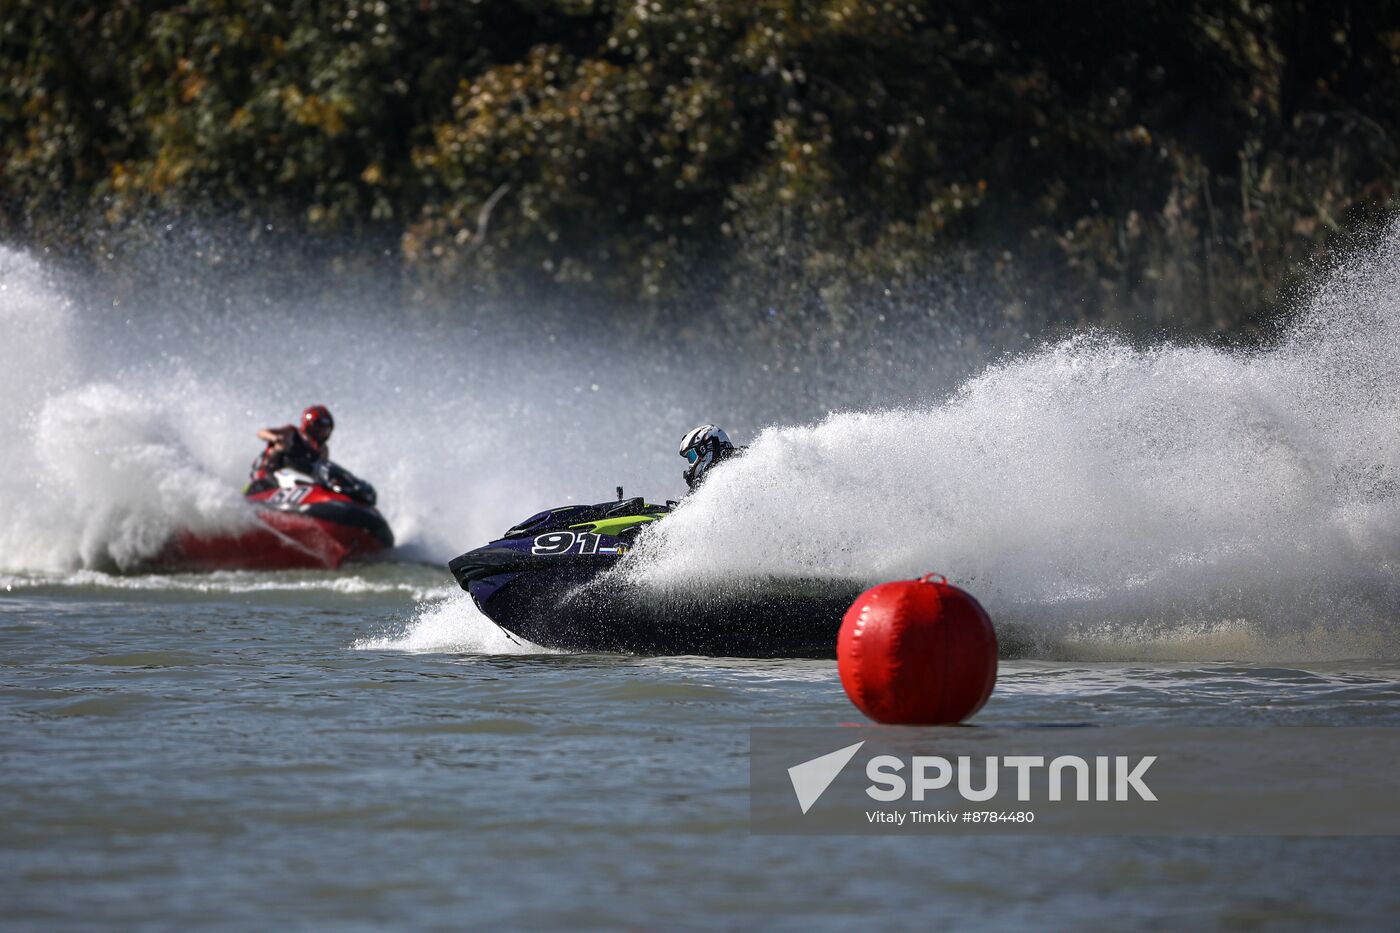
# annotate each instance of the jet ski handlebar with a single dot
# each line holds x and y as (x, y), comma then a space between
(341, 480)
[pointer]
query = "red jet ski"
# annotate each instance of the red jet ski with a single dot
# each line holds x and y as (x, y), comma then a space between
(304, 522)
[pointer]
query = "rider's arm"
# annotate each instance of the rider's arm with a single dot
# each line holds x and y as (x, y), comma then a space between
(277, 436)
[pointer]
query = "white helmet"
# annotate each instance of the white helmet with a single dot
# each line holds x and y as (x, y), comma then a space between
(702, 448)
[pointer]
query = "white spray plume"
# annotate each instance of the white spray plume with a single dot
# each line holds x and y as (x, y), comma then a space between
(1092, 483)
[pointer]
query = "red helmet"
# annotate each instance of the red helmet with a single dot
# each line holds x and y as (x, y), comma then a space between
(317, 424)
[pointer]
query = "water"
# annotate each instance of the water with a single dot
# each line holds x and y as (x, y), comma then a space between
(1164, 534)
(1107, 496)
(128, 417)
(221, 754)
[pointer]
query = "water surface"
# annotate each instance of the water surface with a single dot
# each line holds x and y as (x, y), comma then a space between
(244, 750)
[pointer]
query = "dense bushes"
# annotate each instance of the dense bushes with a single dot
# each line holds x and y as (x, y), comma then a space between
(1165, 161)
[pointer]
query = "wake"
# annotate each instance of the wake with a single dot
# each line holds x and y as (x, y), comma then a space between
(1099, 497)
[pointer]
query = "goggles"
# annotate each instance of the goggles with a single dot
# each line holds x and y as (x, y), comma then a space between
(692, 455)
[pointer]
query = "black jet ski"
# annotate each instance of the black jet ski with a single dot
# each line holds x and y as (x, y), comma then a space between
(548, 580)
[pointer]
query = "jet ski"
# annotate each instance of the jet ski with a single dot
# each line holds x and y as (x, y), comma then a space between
(556, 580)
(303, 521)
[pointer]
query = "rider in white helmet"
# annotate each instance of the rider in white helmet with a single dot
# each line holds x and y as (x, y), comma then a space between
(703, 447)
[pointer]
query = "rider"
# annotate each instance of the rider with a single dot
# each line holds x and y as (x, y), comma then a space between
(703, 447)
(302, 447)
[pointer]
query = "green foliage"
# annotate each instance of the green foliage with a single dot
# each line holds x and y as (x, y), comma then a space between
(1161, 161)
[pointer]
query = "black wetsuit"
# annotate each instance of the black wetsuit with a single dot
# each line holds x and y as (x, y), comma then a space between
(298, 454)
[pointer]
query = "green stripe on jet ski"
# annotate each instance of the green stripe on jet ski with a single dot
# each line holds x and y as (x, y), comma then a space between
(611, 526)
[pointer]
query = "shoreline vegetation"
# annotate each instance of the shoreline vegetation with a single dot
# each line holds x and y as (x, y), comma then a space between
(1172, 165)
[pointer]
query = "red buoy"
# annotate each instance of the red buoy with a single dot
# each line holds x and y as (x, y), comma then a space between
(917, 651)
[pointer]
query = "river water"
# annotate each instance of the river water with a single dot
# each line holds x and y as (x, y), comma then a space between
(1174, 533)
(301, 750)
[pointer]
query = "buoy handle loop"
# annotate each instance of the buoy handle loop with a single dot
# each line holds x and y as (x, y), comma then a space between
(934, 577)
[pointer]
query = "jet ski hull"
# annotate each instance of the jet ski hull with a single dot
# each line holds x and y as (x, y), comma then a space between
(310, 528)
(569, 602)
(280, 541)
(576, 610)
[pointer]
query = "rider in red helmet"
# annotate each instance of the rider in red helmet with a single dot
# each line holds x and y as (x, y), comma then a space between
(316, 427)
(301, 446)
